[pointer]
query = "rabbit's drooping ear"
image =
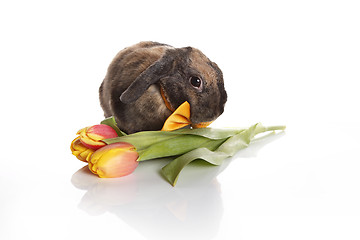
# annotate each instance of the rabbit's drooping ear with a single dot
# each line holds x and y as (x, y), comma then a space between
(150, 76)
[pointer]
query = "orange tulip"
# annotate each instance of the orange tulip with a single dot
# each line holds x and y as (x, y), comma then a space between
(114, 160)
(181, 118)
(91, 137)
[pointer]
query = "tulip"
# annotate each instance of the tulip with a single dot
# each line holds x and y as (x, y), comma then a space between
(91, 137)
(80, 151)
(178, 119)
(181, 118)
(114, 160)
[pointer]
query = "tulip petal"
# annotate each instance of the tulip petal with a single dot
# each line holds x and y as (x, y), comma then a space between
(87, 141)
(91, 137)
(92, 144)
(201, 125)
(178, 119)
(94, 136)
(118, 165)
(110, 121)
(80, 151)
(114, 160)
(101, 131)
(81, 130)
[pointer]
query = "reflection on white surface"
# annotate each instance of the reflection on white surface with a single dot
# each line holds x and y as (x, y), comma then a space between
(152, 206)
(149, 204)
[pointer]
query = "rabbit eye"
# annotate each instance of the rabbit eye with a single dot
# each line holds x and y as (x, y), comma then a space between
(196, 82)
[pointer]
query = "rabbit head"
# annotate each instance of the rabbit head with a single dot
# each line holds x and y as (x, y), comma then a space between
(183, 74)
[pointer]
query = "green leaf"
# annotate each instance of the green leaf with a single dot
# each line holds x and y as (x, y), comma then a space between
(142, 140)
(239, 141)
(261, 129)
(172, 170)
(215, 154)
(211, 133)
(177, 145)
(112, 123)
(145, 139)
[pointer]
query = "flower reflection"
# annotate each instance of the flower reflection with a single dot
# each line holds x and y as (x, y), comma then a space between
(144, 200)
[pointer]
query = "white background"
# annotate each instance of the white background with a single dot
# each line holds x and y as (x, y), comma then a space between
(284, 62)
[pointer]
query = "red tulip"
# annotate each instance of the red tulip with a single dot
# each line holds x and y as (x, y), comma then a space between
(91, 137)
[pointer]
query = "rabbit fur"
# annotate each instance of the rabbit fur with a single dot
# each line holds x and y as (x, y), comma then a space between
(131, 90)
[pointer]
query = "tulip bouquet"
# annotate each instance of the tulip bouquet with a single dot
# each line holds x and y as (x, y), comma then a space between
(110, 152)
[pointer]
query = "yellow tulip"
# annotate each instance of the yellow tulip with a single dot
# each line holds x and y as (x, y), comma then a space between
(80, 151)
(114, 160)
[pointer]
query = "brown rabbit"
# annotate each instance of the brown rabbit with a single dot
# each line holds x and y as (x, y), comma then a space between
(147, 81)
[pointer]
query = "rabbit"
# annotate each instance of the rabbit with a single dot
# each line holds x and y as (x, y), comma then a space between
(146, 82)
